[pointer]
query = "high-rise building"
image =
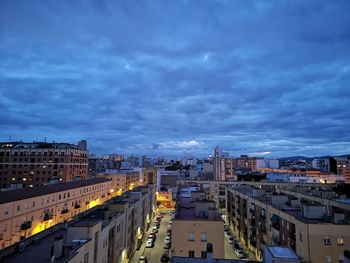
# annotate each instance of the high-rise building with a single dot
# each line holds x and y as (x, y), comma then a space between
(37, 163)
(343, 168)
(224, 166)
(216, 161)
(82, 145)
(325, 164)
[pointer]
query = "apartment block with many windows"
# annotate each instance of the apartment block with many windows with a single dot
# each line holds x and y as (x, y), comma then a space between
(314, 223)
(37, 163)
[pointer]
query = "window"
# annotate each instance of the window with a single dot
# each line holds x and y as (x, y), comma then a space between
(300, 236)
(190, 236)
(340, 240)
(204, 236)
(204, 254)
(86, 257)
(18, 207)
(328, 259)
(191, 254)
(327, 240)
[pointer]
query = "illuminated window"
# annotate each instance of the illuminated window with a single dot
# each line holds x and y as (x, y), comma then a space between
(340, 240)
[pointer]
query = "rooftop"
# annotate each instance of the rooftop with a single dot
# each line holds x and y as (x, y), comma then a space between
(86, 223)
(20, 194)
(37, 145)
(39, 252)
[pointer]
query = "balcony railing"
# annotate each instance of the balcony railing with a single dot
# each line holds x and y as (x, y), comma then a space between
(65, 211)
(47, 217)
(26, 225)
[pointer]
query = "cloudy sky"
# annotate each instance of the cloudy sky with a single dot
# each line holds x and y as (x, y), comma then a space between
(173, 78)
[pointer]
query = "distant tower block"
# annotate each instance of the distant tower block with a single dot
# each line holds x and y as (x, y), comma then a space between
(82, 145)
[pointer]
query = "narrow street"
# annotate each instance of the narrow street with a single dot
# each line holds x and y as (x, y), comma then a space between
(154, 254)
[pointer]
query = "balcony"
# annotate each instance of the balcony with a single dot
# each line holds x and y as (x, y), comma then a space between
(64, 211)
(26, 225)
(47, 217)
(77, 206)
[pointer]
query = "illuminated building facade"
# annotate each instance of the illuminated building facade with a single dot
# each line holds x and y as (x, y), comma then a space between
(25, 212)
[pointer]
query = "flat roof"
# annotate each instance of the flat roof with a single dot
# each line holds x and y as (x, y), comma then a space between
(26, 193)
(86, 222)
(39, 252)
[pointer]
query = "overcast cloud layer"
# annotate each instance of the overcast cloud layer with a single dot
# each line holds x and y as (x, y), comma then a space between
(172, 78)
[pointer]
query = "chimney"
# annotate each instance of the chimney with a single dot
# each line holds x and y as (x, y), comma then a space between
(209, 253)
(58, 247)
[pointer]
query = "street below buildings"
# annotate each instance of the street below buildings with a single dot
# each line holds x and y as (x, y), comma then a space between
(153, 254)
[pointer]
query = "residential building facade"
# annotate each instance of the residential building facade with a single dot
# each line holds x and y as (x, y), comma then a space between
(311, 222)
(25, 212)
(38, 163)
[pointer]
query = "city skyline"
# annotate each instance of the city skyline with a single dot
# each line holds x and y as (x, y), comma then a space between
(173, 79)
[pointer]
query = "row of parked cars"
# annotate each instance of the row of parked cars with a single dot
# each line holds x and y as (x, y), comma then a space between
(235, 244)
(153, 235)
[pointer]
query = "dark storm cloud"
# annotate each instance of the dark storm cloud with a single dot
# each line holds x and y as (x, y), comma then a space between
(173, 78)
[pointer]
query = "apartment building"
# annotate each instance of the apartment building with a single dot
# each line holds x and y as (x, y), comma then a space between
(343, 168)
(262, 163)
(272, 254)
(196, 224)
(108, 233)
(37, 163)
(122, 180)
(313, 222)
(245, 162)
(325, 164)
(149, 175)
(25, 212)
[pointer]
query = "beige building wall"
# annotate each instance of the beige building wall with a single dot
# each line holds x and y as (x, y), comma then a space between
(47, 210)
(309, 237)
(204, 231)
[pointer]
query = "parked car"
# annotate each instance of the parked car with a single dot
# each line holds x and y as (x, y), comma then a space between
(167, 244)
(167, 238)
(149, 243)
(152, 236)
(143, 259)
(239, 253)
(164, 258)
